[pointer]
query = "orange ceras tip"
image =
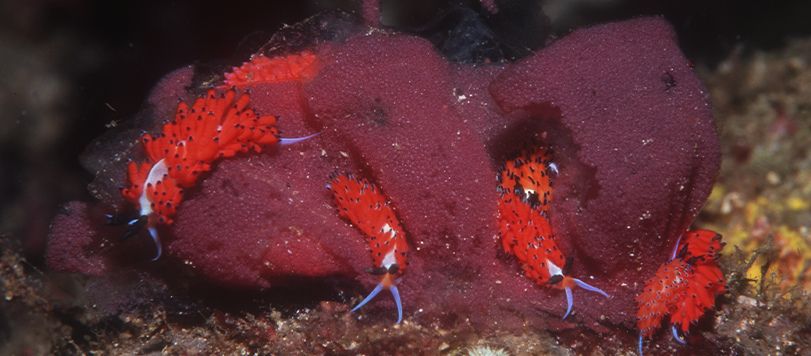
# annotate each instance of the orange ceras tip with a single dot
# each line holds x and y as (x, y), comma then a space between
(684, 288)
(300, 67)
(365, 206)
(523, 220)
(217, 125)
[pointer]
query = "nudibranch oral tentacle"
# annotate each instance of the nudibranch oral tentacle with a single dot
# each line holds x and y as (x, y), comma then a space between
(589, 287)
(284, 141)
(365, 206)
(675, 249)
(133, 224)
(569, 302)
(153, 233)
(568, 283)
(369, 297)
(684, 288)
(395, 293)
(217, 125)
(674, 331)
(524, 225)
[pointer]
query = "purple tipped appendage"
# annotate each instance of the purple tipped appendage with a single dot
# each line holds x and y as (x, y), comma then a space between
(569, 302)
(395, 293)
(590, 288)
(675, 332)
(675, 249)
(153, 233)
(284, 141)
(369, 297)
(584, 285)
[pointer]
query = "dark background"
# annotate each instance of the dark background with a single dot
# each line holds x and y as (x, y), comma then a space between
(70, 69)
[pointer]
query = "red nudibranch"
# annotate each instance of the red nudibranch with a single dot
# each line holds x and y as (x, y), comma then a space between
(523, 221)
(366, 207)
(685, 287)
(300, 67)
(218, 125)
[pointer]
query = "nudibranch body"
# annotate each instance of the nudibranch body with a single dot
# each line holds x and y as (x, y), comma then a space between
(365, 206)
(298, 67)
(684, 288)
(523, 220)
(215, 126)
(218, 125)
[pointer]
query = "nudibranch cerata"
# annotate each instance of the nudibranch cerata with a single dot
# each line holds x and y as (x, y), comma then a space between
(368, 209)
(298, 67)
(685, 287)
(217, 125)
(523, 218)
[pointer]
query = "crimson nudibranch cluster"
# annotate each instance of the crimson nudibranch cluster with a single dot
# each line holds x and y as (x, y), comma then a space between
(635, 152)
(684, 288)
(523, 220)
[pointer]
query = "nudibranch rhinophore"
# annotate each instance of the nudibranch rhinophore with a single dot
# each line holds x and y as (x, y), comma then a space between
(523, 221)
(685, 287)
(217, 125)
(365, 206)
